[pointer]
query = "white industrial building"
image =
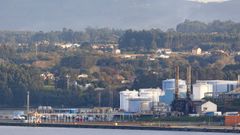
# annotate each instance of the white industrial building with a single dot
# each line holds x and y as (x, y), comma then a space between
(201, 90)
(206, 107)
(220, 86)
(169, 89)
(142, 101)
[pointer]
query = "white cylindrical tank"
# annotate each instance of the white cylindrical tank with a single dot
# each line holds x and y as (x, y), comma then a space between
(151, 93)
(200, 89)
(169, 89)
(139, 104)
(169, 84)
(124, 96)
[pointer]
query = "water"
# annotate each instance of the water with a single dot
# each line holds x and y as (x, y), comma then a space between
(81, 131)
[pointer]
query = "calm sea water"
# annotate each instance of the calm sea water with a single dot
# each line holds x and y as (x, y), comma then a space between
(81, 131)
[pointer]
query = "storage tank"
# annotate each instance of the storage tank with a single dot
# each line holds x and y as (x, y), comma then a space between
(139, 104)
(200, 90)
(169, 84)
(124, 96)
(169, 89)
(151, 93)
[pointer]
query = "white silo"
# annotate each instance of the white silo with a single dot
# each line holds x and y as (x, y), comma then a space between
(139, 104)
(200, 90)
(124, 96)
(169, 89)
(152, 94)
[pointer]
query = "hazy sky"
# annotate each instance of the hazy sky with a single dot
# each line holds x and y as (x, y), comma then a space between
(50, 15)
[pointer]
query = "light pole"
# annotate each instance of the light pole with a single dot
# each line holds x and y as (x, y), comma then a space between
(99, 98)
(36, 51)
(28, 103)
(68, 77)
(99, 92)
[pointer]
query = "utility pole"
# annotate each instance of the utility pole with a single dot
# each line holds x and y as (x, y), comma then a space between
(36, 51)
(111, 97)
(99, 98)
(68, 77)
(99, 95)
(28, 103)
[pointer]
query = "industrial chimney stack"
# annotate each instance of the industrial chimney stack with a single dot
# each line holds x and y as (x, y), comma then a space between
(189, 81)
(177, 82)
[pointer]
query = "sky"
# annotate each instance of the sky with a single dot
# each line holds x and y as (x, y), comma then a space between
(48, 15)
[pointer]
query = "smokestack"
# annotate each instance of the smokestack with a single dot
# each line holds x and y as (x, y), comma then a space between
(189, 81)
(177, 82)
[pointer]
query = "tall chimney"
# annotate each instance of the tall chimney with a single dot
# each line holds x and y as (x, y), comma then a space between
(177, 82)
(189, 81)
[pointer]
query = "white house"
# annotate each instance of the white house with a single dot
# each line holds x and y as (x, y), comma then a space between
(197, 51)
(116, 51)
(82, 76)
(206, 107)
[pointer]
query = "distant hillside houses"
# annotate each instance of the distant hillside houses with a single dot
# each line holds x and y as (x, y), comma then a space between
(106, 48)
(132, 56)
(81, 76)
(220, 52)
(163, 53)
(67, 45)
(47, 75)
(196, 51)
(166, 51)
(43, 42)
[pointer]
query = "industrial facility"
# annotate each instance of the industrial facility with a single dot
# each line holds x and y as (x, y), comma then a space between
(179, 96)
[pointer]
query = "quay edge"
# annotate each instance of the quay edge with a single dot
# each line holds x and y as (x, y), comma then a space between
(186, 129)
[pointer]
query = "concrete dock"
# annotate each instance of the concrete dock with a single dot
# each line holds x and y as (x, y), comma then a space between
(111, 125)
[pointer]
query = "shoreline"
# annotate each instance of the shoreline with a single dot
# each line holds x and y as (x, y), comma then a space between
(128, 127)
